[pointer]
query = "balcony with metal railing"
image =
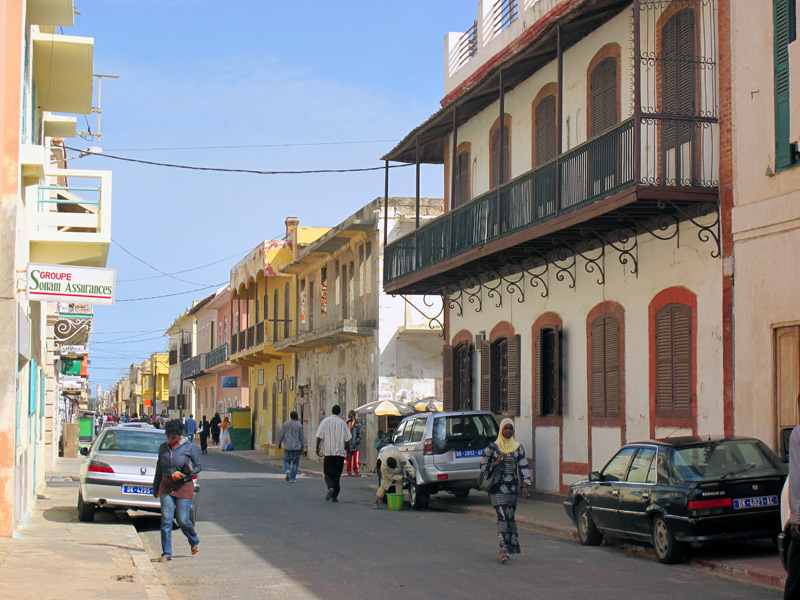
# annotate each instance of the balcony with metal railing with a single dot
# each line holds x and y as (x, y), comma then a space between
(218, 356)
(69, 222)
(193, 367)
(260, 342)
(330, 334)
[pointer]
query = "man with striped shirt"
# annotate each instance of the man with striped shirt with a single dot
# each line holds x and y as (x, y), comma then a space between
(332, 434)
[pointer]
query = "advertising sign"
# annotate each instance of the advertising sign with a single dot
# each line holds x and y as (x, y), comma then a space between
(230, 382)
(65, 350)
(61, 283)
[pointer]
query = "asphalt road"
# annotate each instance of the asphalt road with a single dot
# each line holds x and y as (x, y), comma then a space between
(261, 537)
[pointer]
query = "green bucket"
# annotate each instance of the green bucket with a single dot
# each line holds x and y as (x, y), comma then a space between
(395, 501)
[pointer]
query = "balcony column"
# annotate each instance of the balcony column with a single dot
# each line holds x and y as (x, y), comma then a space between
(559, 113)
(637, 93)
(500, 163)
(453, 178)
(385, 207)
(416, 236)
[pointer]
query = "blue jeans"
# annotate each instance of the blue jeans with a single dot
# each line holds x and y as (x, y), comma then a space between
(291, 460)
(176, 508)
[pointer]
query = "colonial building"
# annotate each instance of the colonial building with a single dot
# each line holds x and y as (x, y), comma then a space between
(579, 258)
(50, 214)
(183, 361)
(355, 344)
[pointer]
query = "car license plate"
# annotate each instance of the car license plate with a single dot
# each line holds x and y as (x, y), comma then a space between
(468, 453)
(137, 489)
(755, 502)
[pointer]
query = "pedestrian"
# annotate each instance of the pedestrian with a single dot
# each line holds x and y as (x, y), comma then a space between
(215, 422)
(191, 428)
(224, 436)
(291, 436)
(505, 463)
(173, 484)
(354, 445)
(792, 589)
(379, 441)
(332, 434)
(394, 468)
(205, 430)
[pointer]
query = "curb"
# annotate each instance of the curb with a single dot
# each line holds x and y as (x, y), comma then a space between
(149, 578)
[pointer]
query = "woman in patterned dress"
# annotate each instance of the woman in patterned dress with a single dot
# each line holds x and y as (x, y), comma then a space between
(505, 462)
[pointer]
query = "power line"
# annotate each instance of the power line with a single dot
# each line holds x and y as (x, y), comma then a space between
(253, 146)
(252, 171)
(186, 270)
(175, 294)
(129, 341)
(152, 267)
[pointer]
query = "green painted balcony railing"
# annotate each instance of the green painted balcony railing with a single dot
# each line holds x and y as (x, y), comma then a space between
(592, 171)
(217, 356)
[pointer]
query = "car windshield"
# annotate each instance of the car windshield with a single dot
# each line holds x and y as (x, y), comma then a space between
(725, 459)
(455, 429)
(131, 440)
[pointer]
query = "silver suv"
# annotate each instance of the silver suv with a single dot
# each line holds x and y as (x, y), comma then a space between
(445, 449)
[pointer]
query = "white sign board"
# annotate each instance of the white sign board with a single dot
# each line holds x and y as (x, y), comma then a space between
(61, 283)
(71, 350)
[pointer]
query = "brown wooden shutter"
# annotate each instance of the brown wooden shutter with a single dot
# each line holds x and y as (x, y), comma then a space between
(447, 377)
(462, 179)
(664, 363)
(612, 366)
(537, 369)
(686, 62)
(497, 178)
(598, 368)
(557, 372)
(604, 96)
(486, 375)
(682, 361)
(513, 375)
(546, 131)
(466, 382)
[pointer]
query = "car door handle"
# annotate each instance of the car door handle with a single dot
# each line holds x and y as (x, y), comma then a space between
(615, 493)
(646, 496)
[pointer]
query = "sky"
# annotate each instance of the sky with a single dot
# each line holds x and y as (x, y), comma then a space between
(244, 84)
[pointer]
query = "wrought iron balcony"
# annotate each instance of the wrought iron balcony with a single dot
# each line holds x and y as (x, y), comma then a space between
(581, 197)
(193, 367)
(217, 356)
(332, 334)
(70, 220)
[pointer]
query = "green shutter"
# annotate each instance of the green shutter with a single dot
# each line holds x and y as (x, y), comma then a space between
(785, 33)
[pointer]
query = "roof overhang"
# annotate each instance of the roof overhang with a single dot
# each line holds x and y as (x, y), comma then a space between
(59, 126)
(63, 69)
(329, 244)
(528, 53)
(51, 12)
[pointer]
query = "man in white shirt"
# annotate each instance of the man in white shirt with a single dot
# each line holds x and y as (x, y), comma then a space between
(332, 434)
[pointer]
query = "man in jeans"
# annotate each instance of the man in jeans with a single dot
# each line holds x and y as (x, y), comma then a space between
(291, 436)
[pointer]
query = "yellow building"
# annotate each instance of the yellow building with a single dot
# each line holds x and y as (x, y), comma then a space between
(263, 312)
(159, 361)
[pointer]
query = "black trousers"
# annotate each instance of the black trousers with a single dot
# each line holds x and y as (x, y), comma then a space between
(792, 590)
(203, 442)
(332, 468)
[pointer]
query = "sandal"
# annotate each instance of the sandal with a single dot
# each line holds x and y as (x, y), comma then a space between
(504, 558)
(195, 549)
(164, 558)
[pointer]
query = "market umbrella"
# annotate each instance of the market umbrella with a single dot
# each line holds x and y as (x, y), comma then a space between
(429, 404)
(385, 407)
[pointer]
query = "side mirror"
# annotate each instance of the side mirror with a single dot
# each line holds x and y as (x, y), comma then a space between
(84, 451)
(595, 476)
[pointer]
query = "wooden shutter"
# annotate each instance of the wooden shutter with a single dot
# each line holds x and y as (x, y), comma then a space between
(598, 363)
(486, 375)
(674, 361)
(546, 131)
(537, 369)
(612, 366)
(785, 33)
(664, 363)
(496, 178)
(687, 76)
(461, 173)
(604, 96)
(447, 377)
(466, 380)
(558, 404)
(513, 375)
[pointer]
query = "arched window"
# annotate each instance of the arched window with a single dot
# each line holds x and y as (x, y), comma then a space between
(496, 178)
(603, 94)
(673, 347)
(462, 376)
(275, 316)
(500, 377)
(286, 311)
(461, 175)
(605, 363)
(545, 118)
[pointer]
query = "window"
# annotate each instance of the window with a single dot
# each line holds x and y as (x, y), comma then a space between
(605, 365)
(673, 361)
(461, 177)
(457, 394)
(547, 383)
(368, 268)
(603, 91)
(417, 430)
(310, 326)
(361, 270)
(643, 467)
(785, 34)
(617, 467)
(500, 375)
(302, 307)
(323, 291)
(286, 315)
(496, 177)
(345, 292)
(275, 315)
(545, 119)
(678, 97)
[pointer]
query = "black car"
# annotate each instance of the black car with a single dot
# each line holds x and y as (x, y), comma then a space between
(677, 490)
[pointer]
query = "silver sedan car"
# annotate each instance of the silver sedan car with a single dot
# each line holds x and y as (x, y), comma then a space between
(118, 472)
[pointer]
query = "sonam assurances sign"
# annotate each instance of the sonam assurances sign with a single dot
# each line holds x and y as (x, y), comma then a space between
(63, 283)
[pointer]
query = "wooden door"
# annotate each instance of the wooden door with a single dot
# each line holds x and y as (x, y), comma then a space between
(787, 378)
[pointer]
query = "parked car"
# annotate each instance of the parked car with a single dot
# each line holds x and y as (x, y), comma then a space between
(677, 490)
(118, 472)
(445, 449)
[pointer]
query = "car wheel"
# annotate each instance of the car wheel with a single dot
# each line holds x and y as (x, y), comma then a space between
(668, 550)
(418, 496)
(588, 534)
(85, 510)
(463, 493)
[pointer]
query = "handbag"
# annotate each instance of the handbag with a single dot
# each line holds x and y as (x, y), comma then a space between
(486, 480)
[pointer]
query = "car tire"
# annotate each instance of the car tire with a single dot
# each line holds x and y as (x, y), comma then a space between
(588, 533)
(418, 495)
(85, 510)
(668, 550)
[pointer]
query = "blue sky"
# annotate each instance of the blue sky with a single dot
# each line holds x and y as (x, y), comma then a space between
(297, 79)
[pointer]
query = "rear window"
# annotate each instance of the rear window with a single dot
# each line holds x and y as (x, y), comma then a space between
(131, 440)
(473, 431)
(727, 459)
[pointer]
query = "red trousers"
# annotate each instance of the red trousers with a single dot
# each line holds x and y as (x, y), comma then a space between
(352, 461)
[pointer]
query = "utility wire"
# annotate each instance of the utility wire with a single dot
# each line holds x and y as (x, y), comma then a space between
(186, 270)
(175, 294)
(252, 171)
(152, 267)
(252, 146)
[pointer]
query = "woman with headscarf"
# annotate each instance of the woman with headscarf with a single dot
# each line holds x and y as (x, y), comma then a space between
(505, 463)
(224, 438)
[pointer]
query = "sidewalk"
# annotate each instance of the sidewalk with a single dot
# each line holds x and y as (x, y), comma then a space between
(56, 556)
(755, 561)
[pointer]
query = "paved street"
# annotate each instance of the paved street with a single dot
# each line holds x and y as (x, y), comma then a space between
(263, 537)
